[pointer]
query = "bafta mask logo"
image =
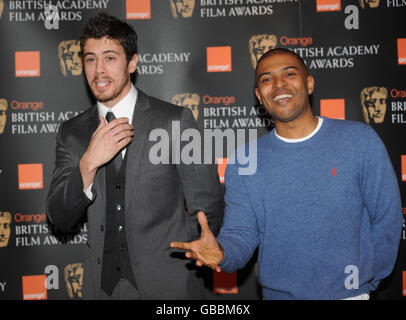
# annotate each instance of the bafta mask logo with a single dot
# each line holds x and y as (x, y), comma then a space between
(259, 44)
(1, 8)
(183, 8)
(373, 101)
(370, 3)
(5, 228)
(188, 100)
(74, 280)
(3, 114)
(69, 57)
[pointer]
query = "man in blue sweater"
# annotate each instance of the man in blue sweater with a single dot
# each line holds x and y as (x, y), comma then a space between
(323, 206)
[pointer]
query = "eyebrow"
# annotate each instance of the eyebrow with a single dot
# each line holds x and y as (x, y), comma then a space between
(104, 52)
(283, 69)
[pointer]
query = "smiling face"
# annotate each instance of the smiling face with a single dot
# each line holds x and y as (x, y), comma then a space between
(283, 86)
(107, 71)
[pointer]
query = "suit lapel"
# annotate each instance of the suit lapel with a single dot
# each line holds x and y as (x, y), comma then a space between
(141, 123)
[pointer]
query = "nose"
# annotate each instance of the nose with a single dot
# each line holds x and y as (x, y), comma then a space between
(278, 81)
(100, 66)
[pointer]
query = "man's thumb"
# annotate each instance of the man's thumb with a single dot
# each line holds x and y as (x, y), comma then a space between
(201, 217)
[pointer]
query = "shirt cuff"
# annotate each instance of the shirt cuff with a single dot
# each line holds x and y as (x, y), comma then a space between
(89, 193)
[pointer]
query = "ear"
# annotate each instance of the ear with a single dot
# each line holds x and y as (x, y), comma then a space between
(310, 84)
(258, 95)
(132, 64)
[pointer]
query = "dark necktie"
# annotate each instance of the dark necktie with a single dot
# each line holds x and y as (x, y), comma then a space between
(110, 116)
(117, 158)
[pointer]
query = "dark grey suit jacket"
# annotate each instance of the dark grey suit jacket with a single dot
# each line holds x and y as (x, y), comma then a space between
(155, 198)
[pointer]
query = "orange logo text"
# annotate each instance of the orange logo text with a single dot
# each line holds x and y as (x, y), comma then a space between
(27, 64)
(328, 5)
(30, 176)
(219, 59)
(34, 287)
(138, 9)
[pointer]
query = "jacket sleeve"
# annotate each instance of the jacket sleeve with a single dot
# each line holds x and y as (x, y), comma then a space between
(200, 181)
(381, 196)
(66, 201)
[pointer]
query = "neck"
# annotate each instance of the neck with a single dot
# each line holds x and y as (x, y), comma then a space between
(297, 128)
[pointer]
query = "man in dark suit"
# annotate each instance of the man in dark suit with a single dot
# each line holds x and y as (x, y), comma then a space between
(104, 172)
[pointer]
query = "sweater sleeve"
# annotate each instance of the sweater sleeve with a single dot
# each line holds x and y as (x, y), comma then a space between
(381, 197)
(239, 235)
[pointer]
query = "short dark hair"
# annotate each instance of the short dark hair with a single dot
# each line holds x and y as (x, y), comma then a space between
(105, 25)
(282, 50)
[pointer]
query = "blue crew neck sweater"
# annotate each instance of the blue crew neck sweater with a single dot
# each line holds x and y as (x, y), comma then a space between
(325, 214)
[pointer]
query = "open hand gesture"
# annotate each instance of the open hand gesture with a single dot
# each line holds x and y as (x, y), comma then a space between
(206, 250)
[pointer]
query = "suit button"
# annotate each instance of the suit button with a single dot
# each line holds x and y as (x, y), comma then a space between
(98, 260)
(101, 228)
(118, 186)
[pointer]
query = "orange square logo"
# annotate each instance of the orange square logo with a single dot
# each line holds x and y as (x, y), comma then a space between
(221, 168)
(30, 176)
(138, 9)
(404, 283)
(328, 5)
(332, 108)
(27, 64)
(225, 283)
(402, 51)
(404, 168)
(218, 59)
(34, 287)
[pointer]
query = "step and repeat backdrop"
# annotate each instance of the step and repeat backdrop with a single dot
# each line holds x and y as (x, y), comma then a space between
(199, 54)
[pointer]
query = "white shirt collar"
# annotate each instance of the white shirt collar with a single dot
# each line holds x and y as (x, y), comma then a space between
(124, 108)
(319, 123)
